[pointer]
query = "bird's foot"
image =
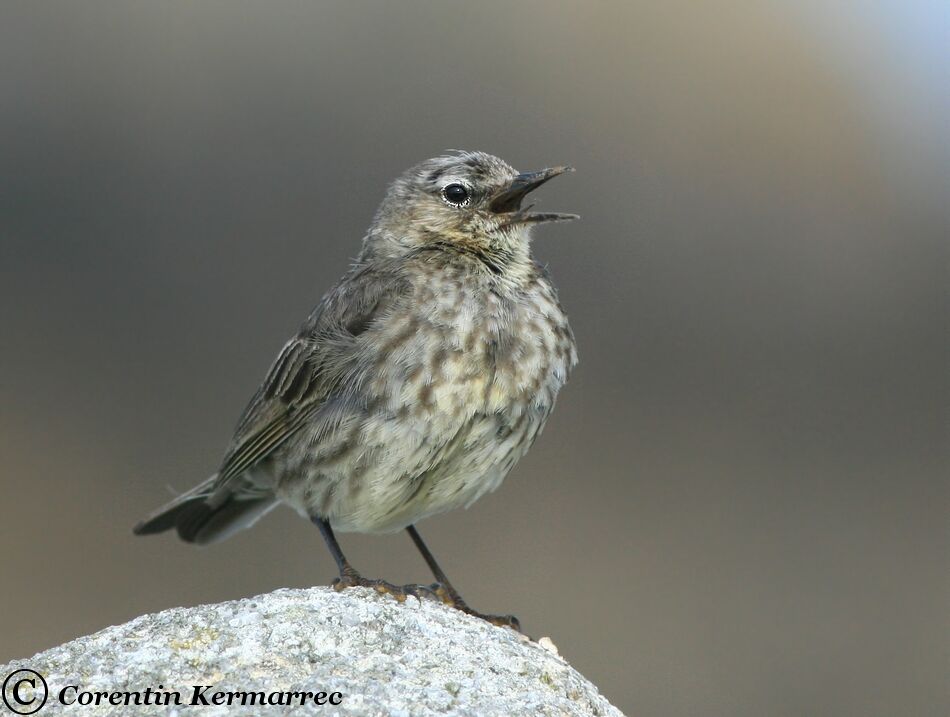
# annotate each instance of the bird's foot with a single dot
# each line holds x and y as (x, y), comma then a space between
(448, 595)
(439, 591)
(400, 592)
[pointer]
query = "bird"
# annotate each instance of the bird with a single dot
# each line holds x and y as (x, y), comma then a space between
(415, 385)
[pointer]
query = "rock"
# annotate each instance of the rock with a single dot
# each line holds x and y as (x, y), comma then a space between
(366, 651)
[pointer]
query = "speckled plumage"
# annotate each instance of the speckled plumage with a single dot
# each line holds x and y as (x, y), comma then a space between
(418, 381)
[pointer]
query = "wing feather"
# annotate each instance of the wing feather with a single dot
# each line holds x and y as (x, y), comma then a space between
(313, 367)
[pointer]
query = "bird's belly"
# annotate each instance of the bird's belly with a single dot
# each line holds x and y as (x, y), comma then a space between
(444, 415)
(400, 471)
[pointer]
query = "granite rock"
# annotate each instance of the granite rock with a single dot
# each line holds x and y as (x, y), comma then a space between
(369, 653)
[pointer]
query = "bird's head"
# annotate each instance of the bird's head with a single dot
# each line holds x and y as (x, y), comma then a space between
(472, 200)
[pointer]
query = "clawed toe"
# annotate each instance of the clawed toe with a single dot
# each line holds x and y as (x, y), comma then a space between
(400, 592)
(499, 620)
(447, 594)
(438, 591)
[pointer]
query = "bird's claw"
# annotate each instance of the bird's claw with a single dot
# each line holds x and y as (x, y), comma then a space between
(447, 594)
(437, 591)
(400, 592)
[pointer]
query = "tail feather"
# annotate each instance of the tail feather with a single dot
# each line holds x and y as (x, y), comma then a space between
(203, 524)
(203, 516)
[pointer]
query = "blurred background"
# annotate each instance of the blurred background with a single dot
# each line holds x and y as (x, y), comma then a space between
(740, 505)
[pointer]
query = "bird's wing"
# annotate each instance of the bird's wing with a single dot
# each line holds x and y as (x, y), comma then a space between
(313, 367)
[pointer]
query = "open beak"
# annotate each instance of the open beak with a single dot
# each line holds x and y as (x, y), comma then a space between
(508, 200)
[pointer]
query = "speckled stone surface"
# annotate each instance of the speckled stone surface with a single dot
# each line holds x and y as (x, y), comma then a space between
(385, 658)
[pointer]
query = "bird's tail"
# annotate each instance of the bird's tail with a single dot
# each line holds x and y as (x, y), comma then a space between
(205, 515)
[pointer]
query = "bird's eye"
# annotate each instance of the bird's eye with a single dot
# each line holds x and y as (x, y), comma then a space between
(455, 194)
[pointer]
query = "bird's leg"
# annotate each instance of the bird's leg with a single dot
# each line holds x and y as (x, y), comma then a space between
(448, 594)
(350, 577)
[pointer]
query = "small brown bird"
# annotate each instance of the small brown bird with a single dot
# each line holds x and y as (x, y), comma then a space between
(414, 386)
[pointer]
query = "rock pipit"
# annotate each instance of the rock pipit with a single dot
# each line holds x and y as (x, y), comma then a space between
(415, 385)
